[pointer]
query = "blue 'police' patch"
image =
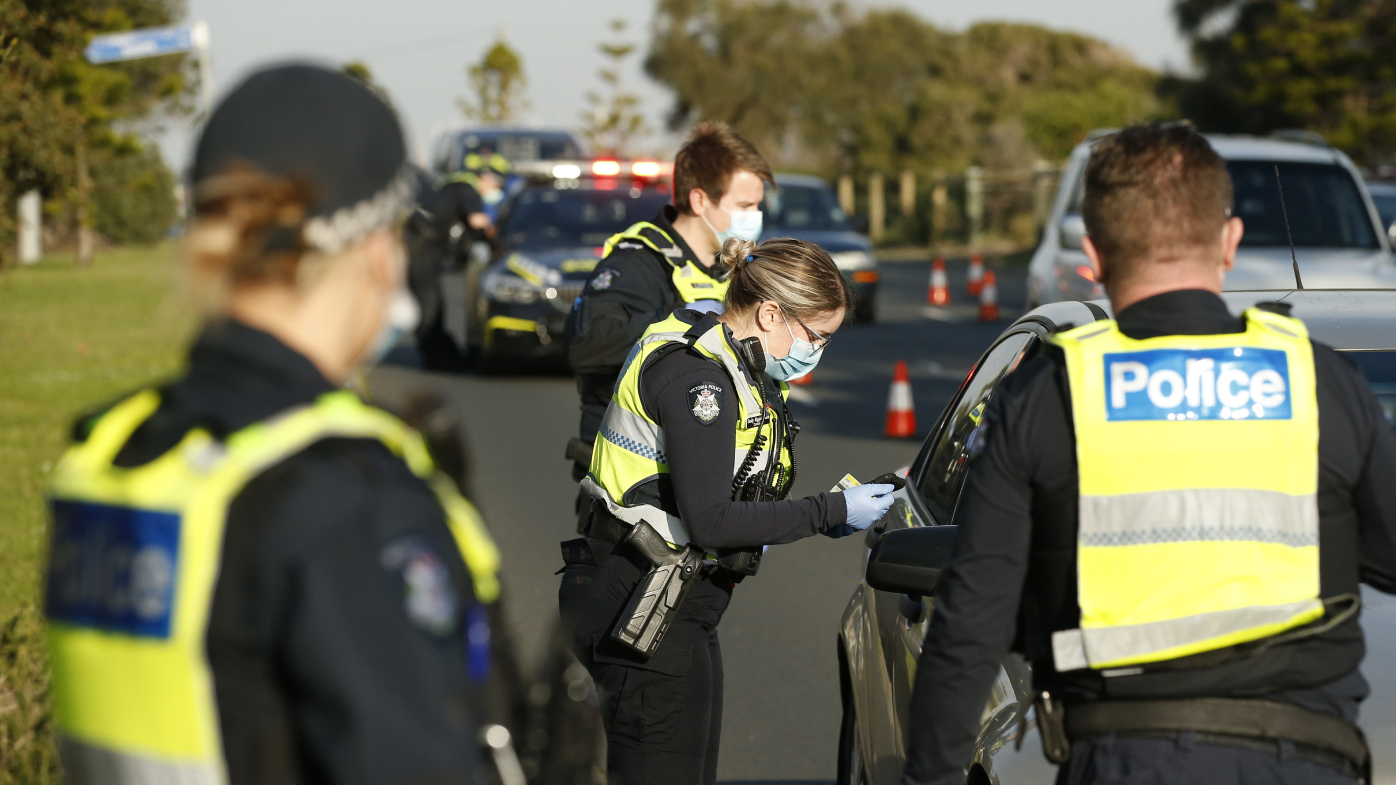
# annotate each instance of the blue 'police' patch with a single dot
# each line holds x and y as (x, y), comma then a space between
(113, 568)
(1237, 383)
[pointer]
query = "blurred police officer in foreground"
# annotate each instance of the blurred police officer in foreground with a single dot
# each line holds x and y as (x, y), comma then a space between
(657, 265)
(1185, 585)
(255, 576)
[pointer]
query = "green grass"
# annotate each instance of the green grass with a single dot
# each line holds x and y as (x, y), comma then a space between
(71, 339)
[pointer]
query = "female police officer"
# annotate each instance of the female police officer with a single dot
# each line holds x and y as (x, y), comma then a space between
(697, 445)
(255, 576)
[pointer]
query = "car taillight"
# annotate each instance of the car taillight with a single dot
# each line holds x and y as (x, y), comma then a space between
(605, 168)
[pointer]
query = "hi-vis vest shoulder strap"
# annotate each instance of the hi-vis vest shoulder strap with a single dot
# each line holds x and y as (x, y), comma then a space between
(1198, 458)
(692, 283)
(629, 449)
(134, 561)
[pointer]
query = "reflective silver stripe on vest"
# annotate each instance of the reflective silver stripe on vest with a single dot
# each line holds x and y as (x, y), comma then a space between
(88, 764)
(1076, 649)
(633, 433)
(763, 459)
(668, 526)
(1199, 515)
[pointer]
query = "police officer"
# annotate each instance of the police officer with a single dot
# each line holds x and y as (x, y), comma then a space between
(657, 265)
(255, 576)
(428, 242)
(700, 389)
(462, 208)
(1173, 511)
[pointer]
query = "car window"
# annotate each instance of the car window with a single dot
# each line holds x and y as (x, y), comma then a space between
(943, 473)
(1325, 208)
(549, 217)
(803, 207)
(1380, 370)
(1386, 207)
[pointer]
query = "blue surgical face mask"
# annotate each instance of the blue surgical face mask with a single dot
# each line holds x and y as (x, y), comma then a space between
(799, 362)
(745, 225)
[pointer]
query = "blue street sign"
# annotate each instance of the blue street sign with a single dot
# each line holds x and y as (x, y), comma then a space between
(135, 44)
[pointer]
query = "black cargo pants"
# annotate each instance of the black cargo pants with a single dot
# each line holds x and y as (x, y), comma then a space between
(1140, 761)
(663, 716)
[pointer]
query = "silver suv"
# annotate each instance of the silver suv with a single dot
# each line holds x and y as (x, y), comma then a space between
(1339, 239)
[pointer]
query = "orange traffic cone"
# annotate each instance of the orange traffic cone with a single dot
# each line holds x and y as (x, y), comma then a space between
(901, 413)
(803, 380)
(975, 282)
(939, 293)
(989, 299)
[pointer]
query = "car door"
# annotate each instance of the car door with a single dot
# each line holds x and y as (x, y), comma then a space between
(928, 499)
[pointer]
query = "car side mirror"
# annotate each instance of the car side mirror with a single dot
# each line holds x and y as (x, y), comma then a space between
(1073, 228)
(910, 561)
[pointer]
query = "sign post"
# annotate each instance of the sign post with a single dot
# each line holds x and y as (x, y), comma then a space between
(155, 42)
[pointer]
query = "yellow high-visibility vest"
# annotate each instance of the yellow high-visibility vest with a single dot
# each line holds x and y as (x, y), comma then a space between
(1198, 461)
(133, 566)
(692, 283)
(630, 448)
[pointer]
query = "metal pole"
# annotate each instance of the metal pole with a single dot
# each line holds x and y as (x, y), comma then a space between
(31, 240)
(877, 210)
(974, 205)
(199, 32)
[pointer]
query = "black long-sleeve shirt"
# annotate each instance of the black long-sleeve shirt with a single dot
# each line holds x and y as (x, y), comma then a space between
(628, 291)
(701, 456)
(321, 673)
(1013, 570)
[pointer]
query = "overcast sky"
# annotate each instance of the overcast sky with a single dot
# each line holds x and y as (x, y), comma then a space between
(418, 49)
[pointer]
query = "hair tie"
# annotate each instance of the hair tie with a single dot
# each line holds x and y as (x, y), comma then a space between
(750, 258)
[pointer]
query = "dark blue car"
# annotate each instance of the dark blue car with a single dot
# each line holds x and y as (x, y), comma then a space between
(805, 208)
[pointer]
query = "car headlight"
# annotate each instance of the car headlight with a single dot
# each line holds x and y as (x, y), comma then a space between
(506, 288)
(854, 260)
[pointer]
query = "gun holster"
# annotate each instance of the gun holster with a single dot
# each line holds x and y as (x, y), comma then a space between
(656, 598)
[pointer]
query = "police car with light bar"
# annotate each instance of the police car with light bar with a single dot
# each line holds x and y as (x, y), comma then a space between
(551, 232)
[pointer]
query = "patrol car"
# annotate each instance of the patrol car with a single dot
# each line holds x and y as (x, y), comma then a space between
(519, 146)
(884, 624)
(551, 233)
(1339, 238)
(805, 208)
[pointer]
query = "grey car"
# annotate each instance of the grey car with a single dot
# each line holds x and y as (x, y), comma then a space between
(1339, 239)
(882, 629)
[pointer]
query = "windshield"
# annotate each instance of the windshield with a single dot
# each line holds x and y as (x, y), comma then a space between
(1380, 370)
(803, 207)
(521, 145)
(1325, 208)
(553, 218)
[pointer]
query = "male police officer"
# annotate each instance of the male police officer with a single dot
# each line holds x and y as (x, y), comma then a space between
(1171, 513)
(654, 266)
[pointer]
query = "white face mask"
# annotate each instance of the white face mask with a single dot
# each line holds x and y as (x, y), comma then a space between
(744, 225)
(401, 318)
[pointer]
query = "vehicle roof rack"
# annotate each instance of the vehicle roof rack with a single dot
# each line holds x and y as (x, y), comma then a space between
(1300, 136)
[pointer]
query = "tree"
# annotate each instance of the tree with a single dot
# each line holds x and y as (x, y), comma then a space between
(498, 83)
(1322, 65)
(58, 112)
(613, 120)
(884, 90)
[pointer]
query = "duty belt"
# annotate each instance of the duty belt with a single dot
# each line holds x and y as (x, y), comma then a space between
(1259, 725)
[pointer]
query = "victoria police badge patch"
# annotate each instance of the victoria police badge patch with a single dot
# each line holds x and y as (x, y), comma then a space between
(706, 402)
(603, 279)
(429, 598)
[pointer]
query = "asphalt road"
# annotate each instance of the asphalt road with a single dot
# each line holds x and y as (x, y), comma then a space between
(778, 638)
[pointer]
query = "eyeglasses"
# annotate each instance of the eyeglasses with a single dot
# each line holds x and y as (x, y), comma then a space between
(818, 340)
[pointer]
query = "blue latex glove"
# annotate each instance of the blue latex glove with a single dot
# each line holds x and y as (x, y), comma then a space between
(705, 306)
(867, 504)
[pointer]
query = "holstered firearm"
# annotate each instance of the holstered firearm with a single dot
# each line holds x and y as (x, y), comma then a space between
(656, 599)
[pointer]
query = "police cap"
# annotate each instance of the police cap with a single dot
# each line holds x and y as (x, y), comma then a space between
(320, 129)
